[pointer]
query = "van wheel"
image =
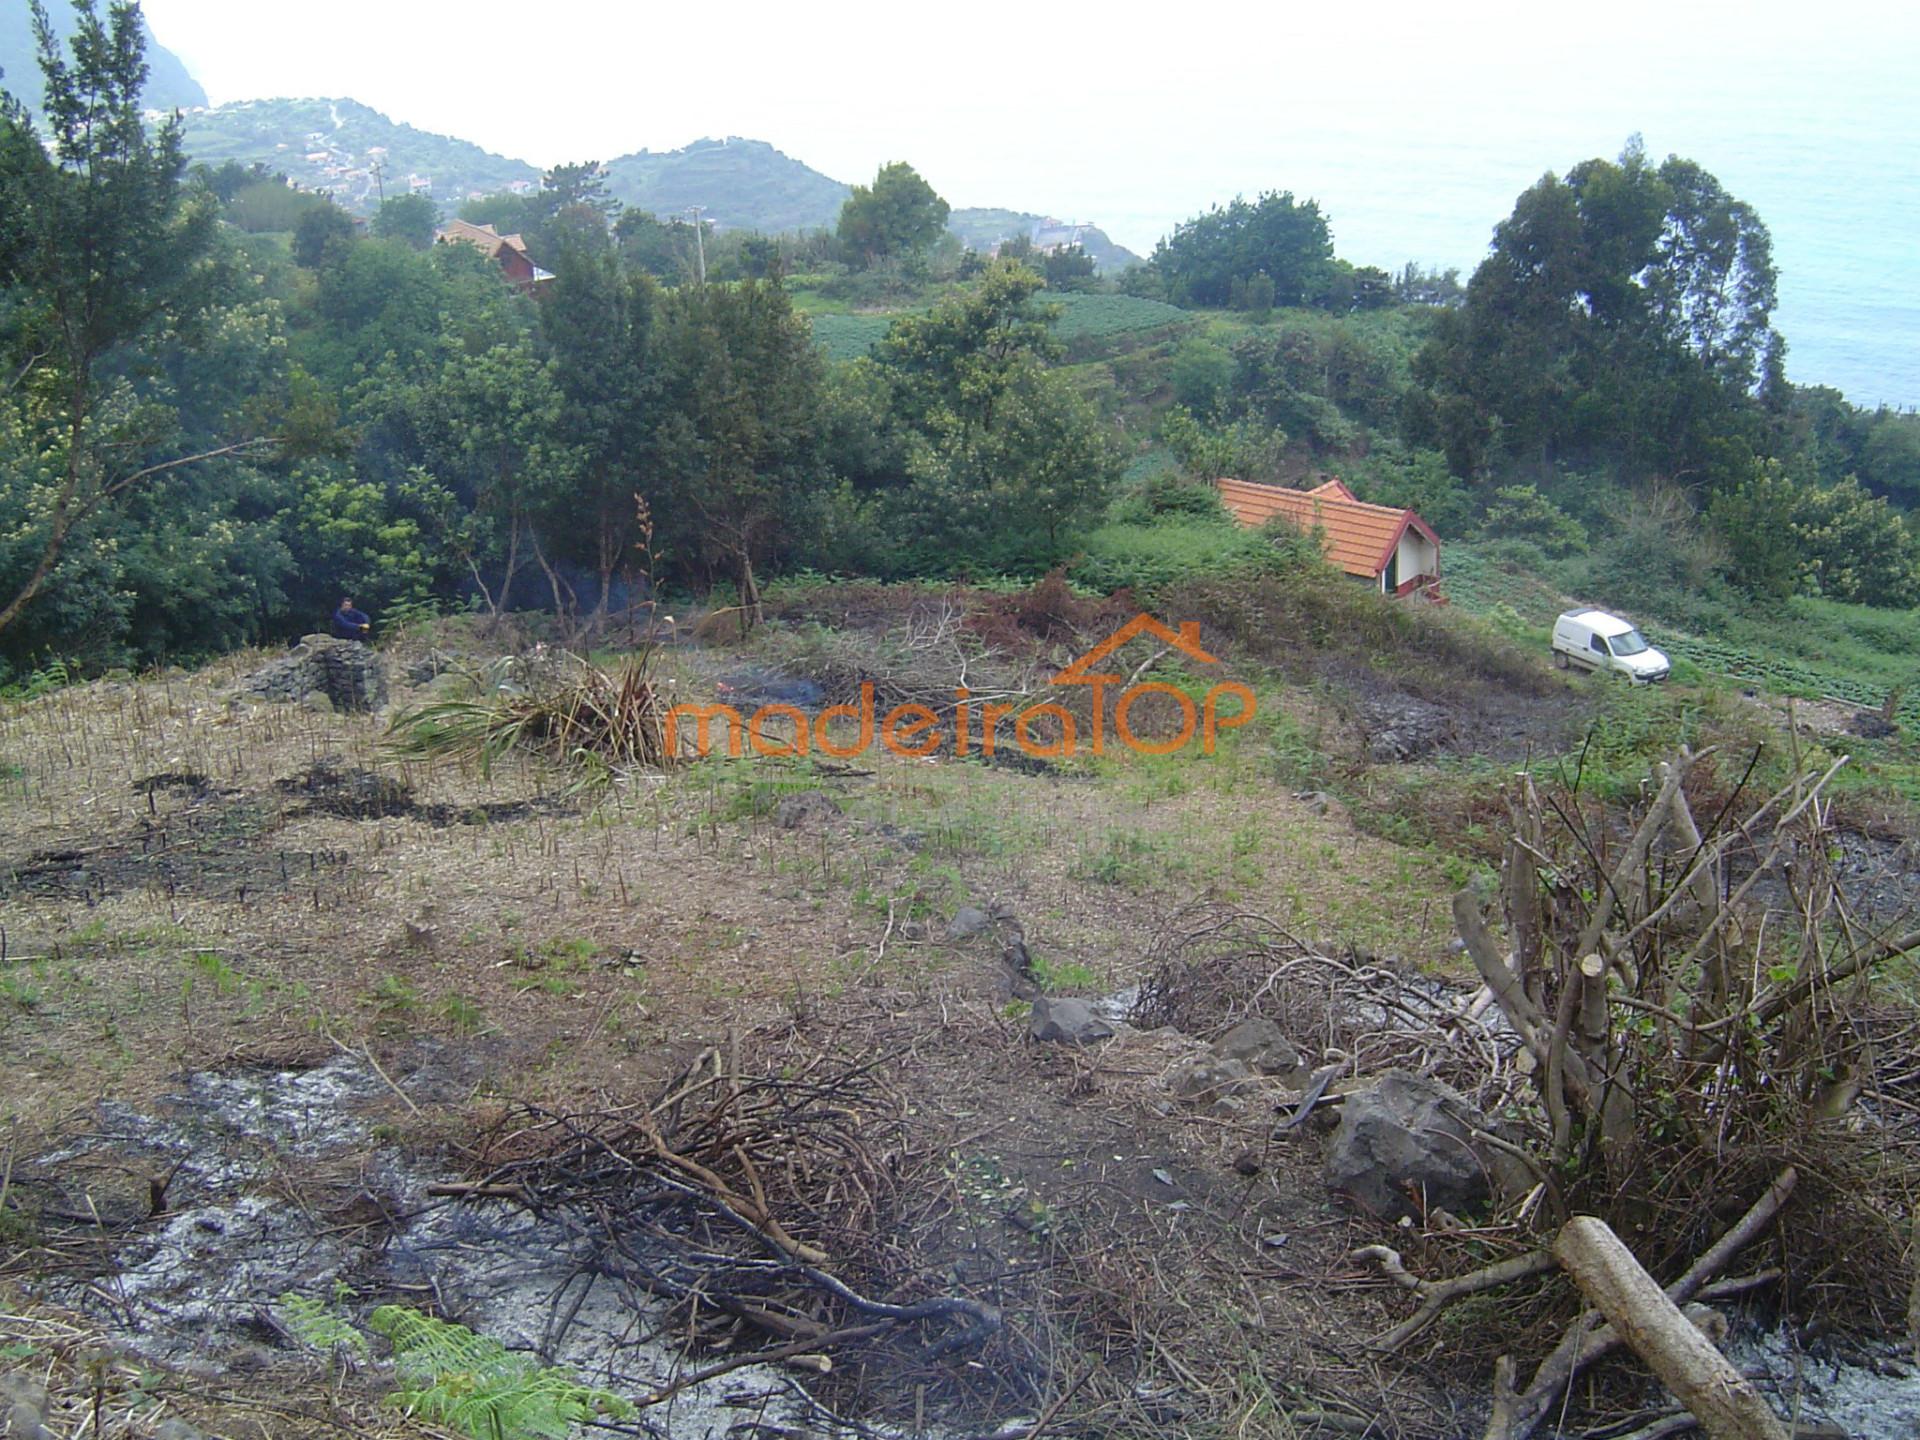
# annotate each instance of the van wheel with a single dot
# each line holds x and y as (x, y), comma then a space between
(1560, 659)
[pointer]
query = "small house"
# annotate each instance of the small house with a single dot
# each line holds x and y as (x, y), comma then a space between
(1393, 549)
(509, 252)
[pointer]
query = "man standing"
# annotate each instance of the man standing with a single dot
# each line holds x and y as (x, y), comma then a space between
(351, 624)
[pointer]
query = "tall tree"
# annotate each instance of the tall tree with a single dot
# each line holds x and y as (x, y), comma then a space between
(1623, 315)
(110, 248)
(1284, 239)
(899, 215)
(740, 432)
(598, 319)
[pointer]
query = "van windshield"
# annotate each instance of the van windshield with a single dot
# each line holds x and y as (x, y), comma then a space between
(1631, 643)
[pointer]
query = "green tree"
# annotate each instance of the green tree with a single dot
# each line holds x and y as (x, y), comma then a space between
(322, 236)
(740, 432)
(1005, 459)
(410, 219)
(897, 216)
(1286, 240)
(1623, 315)
(1068, 267)
(109, 249)
(1755, 522)
(598, 319)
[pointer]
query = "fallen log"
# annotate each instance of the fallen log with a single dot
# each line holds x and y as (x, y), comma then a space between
(1687, 1363)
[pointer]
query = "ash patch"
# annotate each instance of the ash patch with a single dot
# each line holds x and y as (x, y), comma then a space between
(278, 1185)
(1405, 718)
(212, 848)
(330, 787)
(1875, 1400)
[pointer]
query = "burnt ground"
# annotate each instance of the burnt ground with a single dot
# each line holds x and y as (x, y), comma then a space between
(1400, 717)
(295, 1054)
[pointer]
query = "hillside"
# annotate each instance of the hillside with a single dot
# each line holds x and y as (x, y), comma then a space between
(741, 184)
(169, 86)
(332, 145)
(981, 229)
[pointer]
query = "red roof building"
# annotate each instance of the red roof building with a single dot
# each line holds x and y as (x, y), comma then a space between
(1394, 549)
(509, 252)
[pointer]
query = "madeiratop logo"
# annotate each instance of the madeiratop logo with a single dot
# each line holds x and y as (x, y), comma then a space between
(1044, 729)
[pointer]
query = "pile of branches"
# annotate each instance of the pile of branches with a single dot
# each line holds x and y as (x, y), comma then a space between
(596, 722)
(1692, 1009)
(1214, 965)
(764, 1209)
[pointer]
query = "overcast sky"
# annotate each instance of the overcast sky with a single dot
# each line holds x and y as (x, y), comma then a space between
(1084, 111)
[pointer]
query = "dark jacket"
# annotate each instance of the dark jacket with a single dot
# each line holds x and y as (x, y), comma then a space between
(349, 624)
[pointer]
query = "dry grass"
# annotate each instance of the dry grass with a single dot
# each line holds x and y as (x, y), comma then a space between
(588, 950)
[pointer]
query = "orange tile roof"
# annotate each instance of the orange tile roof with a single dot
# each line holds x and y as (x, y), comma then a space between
(1360, 538)
(485, 237)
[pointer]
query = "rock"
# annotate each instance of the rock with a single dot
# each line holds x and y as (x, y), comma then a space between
(24, 1422)
(1067, 1021)
(178, 1430)
(350, 676)
(1260, 1044)
(1404, 1148)
(967, 922)
(1207, 1077)
(1318, 801)
(431, 666)
(317, 701)
(809, 808)
(19, 1388)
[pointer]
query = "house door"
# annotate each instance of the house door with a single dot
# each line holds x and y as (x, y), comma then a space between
(1392, 578)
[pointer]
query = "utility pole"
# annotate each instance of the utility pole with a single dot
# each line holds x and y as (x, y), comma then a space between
(699, 240)
(379, 169)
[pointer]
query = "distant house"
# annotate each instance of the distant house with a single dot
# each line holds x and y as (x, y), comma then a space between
(1393, 549)
(509, 252)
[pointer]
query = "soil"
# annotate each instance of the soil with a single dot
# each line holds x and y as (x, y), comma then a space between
(251, 961)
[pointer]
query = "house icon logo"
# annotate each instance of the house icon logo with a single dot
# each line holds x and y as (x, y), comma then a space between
(1041, 728)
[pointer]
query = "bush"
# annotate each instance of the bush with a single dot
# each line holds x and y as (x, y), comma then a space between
(1148, 558)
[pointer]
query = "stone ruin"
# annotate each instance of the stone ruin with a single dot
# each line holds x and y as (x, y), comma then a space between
(346, 674)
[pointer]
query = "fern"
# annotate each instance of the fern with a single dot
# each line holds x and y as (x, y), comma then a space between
(476, 1385)
(318, 1325)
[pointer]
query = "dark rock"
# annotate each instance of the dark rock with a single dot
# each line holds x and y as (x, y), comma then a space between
(806, 810)
(968, 921)
(1067, 1021)
(431, 666)
(1404, 1147)
(1260, 1044)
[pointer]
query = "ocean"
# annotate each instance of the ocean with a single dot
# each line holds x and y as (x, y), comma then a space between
(1824, 142)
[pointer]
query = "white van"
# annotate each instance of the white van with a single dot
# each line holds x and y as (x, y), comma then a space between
(1596, 640)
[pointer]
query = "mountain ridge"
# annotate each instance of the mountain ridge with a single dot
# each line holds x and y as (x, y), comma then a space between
(170, 85)
(331, 144)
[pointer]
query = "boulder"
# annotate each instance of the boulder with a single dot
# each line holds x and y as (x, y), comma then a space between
(1207, 1077)
(26, 1423)
(968, 921)
(1405, 1147)
(1067, 1022)
(803, 811)
(1259, 1043)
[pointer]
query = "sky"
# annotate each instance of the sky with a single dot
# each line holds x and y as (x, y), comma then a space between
(1415, 126)
(1134, 123)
